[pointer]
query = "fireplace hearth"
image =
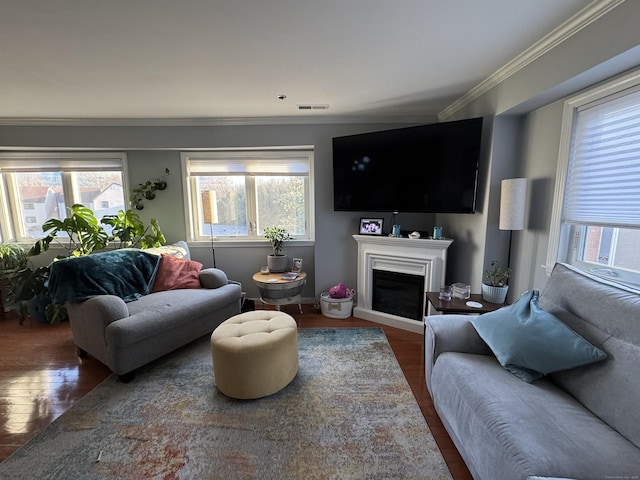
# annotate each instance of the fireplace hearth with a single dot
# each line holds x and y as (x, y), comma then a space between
(423, 261)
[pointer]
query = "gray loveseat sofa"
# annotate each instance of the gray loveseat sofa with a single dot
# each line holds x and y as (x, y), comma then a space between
(582, 423)
(125, 336)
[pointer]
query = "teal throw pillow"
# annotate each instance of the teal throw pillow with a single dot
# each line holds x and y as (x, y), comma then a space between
(531, 342)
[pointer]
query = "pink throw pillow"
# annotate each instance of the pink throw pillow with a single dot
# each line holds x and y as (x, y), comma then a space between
(174, 273)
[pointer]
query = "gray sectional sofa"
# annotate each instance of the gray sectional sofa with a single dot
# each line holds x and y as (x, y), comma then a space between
(125, 336)
(581, 423)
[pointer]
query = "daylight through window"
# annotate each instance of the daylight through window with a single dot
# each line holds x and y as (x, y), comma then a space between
(234, 195)
(36, 187)
(600, 221)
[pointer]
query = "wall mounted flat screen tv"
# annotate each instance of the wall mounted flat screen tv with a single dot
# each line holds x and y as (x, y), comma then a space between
(429, 168)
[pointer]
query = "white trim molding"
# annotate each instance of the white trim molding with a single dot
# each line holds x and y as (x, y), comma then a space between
(556, 237)
(579, 21)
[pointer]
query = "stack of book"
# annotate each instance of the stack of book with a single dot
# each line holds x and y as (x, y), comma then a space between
(290, 276)
(461, 290)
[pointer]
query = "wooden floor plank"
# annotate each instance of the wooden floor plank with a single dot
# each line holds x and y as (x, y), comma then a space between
(41, 377)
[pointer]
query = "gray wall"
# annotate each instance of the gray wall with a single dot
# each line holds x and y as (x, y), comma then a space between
(327, 261)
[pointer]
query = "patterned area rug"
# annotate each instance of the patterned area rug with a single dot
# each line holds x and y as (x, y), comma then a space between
(348, 414)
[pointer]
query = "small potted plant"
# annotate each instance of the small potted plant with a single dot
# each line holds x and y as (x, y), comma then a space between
(146, 190)
(277, 261)
(494, 287)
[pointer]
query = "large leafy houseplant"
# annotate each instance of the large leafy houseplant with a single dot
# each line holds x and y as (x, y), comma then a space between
(80, 234)
(129, 231)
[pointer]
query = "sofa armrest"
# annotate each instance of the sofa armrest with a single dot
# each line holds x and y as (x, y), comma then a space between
(89, 320)
(450, 333)
(213, 278)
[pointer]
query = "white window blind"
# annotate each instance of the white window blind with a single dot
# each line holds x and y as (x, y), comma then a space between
(249, 163)
(78, 162)
(603, 178)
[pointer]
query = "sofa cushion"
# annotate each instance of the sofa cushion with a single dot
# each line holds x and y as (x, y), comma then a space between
(176, 273)
(506, 429)
(531, 342)
(213, 278)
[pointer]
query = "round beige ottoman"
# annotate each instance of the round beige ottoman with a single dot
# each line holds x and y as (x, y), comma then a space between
(255, 354)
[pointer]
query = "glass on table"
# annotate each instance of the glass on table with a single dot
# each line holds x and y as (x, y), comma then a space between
(445, 293)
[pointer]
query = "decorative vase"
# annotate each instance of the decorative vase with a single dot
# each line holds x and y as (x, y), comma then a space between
(494, 294)
(277, 263)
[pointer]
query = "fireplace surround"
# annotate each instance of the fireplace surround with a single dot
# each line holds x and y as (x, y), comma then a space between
(414, 257)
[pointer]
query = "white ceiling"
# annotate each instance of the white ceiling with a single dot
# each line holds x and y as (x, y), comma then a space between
(202, 60)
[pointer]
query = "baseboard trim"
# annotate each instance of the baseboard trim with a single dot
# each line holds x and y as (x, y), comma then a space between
(414, 326)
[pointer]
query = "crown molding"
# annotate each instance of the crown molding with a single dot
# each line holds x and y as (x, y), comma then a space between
(573, 25)
(214, 121)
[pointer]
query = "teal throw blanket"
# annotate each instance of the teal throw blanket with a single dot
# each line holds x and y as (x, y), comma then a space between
(127, 273)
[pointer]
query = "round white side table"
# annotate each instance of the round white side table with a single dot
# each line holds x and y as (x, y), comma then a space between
(275, 291)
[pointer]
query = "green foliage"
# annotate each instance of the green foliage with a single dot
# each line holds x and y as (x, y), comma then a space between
(130, 232)
(281, 201)
(85, 236)
(147, 190)
(12, 256)
(277, 236)
(82, 228)
(496, 276)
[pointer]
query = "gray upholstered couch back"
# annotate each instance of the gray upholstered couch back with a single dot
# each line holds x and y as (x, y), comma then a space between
(608, 315)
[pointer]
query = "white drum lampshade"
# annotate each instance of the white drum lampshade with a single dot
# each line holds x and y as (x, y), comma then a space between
(513, 203)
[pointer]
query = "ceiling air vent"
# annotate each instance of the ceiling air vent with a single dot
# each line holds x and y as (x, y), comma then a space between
(313, 107)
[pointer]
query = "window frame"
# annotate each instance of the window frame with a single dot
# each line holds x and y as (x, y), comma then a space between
(67, 163)
(565, 240)
(260, 154)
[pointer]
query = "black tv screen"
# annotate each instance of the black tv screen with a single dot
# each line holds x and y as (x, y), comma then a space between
(429, 168)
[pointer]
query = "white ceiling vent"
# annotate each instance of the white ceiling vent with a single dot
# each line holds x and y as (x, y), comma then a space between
(313, 107)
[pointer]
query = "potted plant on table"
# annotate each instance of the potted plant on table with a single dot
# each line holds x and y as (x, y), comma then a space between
(495, 288)
(277, 261)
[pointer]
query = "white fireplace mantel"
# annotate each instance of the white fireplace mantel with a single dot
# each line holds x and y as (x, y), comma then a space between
(424, 257)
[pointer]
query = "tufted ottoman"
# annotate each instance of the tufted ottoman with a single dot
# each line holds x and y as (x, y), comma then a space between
(255, 354)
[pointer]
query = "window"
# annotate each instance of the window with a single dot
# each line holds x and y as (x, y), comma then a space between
(234, 195)
(598, 197)
(35, 187)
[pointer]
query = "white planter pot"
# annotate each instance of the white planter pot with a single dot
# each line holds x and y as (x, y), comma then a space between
(277, 263)
(494, 294)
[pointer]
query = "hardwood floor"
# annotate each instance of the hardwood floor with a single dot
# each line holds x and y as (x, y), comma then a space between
(41, 377)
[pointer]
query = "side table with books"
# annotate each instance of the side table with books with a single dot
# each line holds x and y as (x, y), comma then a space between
(280, 288)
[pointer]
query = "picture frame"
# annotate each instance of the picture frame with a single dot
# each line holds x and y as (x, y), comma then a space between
(297, 265)
(371, 226)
